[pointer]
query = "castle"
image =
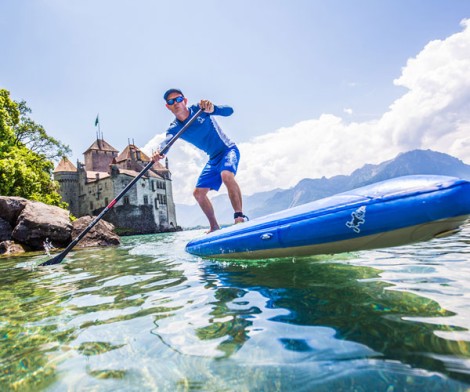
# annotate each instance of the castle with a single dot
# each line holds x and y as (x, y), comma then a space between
(147, 207)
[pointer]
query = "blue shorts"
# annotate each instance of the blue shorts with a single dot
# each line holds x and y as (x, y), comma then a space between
(211, 174)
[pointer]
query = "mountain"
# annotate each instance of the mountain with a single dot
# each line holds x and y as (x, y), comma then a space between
(263, 203)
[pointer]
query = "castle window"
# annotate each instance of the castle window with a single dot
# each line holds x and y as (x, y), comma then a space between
(146, 199)
(91, 205)
(157, 204)
(153, 186)
(126, 200)
(161, 199)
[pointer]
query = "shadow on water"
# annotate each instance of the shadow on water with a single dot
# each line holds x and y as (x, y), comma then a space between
(350, 300)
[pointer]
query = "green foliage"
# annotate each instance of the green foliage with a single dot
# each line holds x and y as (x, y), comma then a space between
(25, 150)
(9, 117)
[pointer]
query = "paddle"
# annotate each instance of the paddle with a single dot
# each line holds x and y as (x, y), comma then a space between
(58, 259)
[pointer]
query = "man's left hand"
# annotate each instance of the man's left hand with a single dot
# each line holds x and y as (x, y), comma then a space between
(156, 156)
(206, 105)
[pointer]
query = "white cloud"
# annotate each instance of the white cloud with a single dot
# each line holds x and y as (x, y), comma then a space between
(185, 163)
(433, 114)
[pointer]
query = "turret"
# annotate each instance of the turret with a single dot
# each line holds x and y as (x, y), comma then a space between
(66, 175)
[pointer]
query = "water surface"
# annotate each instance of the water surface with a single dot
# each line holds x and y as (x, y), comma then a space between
(147, 316)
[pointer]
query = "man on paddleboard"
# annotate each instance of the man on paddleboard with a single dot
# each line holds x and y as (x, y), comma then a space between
(207, 135)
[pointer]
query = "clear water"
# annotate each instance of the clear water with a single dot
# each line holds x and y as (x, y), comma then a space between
(146, 316)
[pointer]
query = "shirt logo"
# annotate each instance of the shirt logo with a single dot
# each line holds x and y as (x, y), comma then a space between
(200, 120)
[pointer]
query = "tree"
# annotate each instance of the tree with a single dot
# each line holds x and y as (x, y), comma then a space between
(34, 136)
(25, 172)
(9, 117)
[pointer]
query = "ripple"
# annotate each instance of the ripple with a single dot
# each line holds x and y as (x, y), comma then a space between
(148, 316)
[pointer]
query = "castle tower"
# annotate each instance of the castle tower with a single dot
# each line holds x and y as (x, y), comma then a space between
(99, 156)
(67, 176)
(132, 158)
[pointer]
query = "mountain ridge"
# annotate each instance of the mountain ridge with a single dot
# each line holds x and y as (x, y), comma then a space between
(308, 189)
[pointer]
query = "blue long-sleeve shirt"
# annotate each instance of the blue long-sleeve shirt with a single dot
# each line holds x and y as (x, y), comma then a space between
(204, 133)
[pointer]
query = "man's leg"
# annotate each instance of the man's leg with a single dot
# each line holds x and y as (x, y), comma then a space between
(200, 195)
(234, 193)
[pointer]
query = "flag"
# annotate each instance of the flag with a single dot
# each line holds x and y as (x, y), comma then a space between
(97, 121)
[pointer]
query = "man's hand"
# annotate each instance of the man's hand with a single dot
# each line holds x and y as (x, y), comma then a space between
(157, 156)
(206, 105)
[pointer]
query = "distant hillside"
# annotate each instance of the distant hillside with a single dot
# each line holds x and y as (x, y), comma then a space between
(259, 204)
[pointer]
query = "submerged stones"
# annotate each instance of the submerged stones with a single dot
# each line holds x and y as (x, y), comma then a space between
(27, 225)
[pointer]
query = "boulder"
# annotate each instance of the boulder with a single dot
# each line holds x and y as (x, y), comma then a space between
(10, 248)
(101, 234)
(39, 222)
(5, 230)
(11, 207)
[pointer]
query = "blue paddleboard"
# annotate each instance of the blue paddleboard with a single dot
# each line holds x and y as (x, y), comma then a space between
(395, 212)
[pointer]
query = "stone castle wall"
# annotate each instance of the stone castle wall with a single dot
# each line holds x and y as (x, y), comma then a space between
(147, 207)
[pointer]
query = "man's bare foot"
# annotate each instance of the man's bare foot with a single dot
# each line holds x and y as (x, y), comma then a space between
(212, 229)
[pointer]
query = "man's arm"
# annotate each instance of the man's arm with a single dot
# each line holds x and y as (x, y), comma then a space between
(210, 108)
(223, 111)
(156, 155)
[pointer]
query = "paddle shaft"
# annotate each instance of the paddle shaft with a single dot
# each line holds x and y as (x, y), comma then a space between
(58, 259)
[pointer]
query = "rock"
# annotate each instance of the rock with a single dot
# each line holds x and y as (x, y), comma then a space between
(100, 235)
(11, 207)
(39, 222)
(5, 230)
(10, 248)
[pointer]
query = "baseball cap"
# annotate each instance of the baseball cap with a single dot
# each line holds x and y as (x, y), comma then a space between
(172, 90)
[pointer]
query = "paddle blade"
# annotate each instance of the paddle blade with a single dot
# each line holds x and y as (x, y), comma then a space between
(55, 260)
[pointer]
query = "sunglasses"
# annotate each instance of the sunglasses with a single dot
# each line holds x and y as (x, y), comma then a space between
(173, 100)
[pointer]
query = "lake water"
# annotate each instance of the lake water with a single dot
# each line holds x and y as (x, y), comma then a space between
(146, 316)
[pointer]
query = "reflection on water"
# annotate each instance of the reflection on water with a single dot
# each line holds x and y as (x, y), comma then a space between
(147, 316)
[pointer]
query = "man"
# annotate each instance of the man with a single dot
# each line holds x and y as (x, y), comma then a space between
(223, 154)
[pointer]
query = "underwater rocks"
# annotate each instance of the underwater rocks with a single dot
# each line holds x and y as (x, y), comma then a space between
(30, 225)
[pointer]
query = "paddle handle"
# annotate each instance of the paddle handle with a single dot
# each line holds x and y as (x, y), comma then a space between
(58, 259)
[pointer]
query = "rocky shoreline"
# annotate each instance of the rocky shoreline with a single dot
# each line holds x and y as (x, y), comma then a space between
(27, 225)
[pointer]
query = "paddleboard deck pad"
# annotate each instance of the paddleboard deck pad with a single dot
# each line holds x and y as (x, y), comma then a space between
(395, 212)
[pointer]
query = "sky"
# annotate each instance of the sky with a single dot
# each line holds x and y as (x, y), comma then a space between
(319, 88)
